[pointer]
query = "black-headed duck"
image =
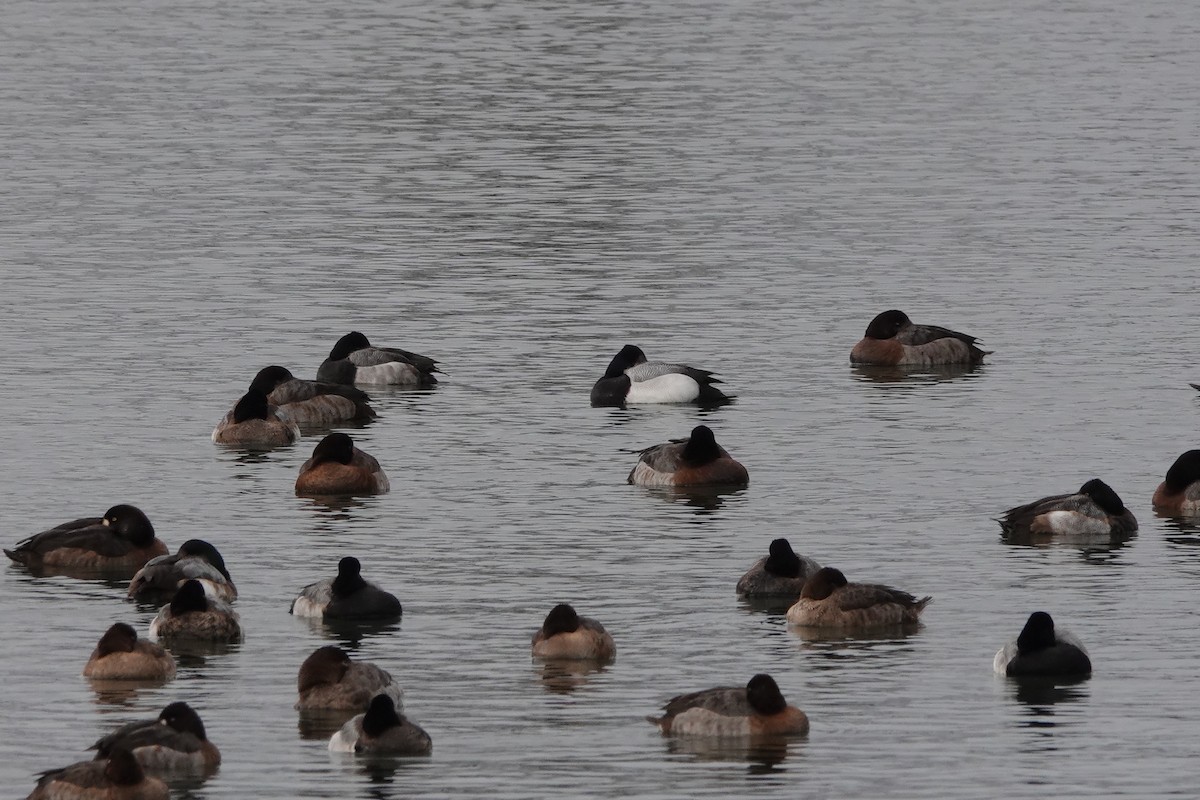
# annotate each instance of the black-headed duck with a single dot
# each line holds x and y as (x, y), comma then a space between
(1095, 510)
(311, 402)
(338, 467)
(192, 614)
(122, 540)
(828, 600)
(196, 559)
(346, 596)
(695, 461)
(757, 709)
(1179, 493)
(254, 422)
(355, 360)
(566, 635)
(119, 656)
(117, 776)
(630, 378)
(780, 573)
(1040, 649)
(893, 340)
(383, 731)
(173, 742)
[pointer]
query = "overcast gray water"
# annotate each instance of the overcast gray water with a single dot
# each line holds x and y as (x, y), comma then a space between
(192, 191)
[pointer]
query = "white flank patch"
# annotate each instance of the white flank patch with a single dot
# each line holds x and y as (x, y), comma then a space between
(672, 388)
(702, 722)
(304, 607)
(1074, 522)
(392, 372)
(343, 741)
(1003, 656)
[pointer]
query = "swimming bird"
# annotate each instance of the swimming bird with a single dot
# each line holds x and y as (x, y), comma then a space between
(173, 742)
(1094, 510)
(311, 402)
(758, 709)
(630, 378)
(1179, 493)
(118, 776)
(381, 730)
(122, 540)
(354, 360)
(120, 656)
(328, 679)
(252, 421)
(566, 635)
(192, 614)
(195, 559)
(893, 340)
(828, 600)
(347, 596)
(1042, 650)
(338, 467)
(781, 573)
(695, 461)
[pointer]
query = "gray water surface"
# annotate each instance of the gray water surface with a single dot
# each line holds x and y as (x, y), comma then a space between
(190, 192)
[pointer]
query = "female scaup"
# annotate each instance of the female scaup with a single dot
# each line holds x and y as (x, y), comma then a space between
(173, 742)
(119, 656)
(196, 559)
(117, 776)
(338, 467)
(328, 679)
(381, 731)
(695, 461)
(1094, 510)
(758, 709)
(252, 421)
(893, 340)
(1180, 492)
(781, 573)
(1040, 649)
(354, 360)
(829, 601)
(347, 596)
(566, 635)
(192, 614)
(311, 402)
(630, 378)
(122, 540)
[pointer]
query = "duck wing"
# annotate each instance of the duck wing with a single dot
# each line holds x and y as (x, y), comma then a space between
(374, 356)
(924, 334)
(298, 390)
(868, 595)
(1021, 517)
(649, 370)
(84, 534)
(664, 457)
(729, 701)
(148, 733)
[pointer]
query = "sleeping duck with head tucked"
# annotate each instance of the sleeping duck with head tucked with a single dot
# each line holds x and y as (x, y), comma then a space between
(121, 541)
(757, 709)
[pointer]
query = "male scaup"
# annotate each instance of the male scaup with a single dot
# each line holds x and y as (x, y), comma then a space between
(192, 614)
(121, 541)
(1180, 492)
(119, 656)
(311, 402)
(758, 709)
(347, 596)
(252, 421)
(893, 340)
(328, 679)
(566, 635)
(173, 742)
(381, 730)
(338, 467)
(118, 776)
(354, 360)
(829, 601)
(695, 461)
(195, 559)
(630, 378)
(1040, 649)
(781, 573)
(1095, 510)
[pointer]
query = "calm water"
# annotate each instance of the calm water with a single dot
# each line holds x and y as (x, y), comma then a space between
(191, 191)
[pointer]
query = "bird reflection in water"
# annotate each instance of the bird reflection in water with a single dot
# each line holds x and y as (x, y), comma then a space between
(763, 754)
(1181, 530)
(1040, 695)
(916, 376)
(563, 676)
(1094, 549)
(704, 502)
(122, 692)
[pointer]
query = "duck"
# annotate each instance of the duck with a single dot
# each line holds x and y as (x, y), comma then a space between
(192, 614)
(381, 730)
(1094, 510)
(1179, 493)
(758, 709)
(1040, 649)
(780, 573)
(630, 378)
(122, 540)
(316, 402)
(354, 359)
(173, 742)
(828, 600)
(338, 467)
(119, 656)
(252, 421)
(196, 559)
(329, 680)
(347, 596)
(695, 461)
(118, 776)
(893, 340)
(566, 635)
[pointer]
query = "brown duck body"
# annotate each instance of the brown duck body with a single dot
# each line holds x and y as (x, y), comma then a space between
(893, 340)
(695, 461)
(329, 680)
(270, 432)
(120, 542)
(733, 711)
(1179, 493)
(117, 777)
(119, 655)
(590, 641)
(173, 743)
(829, 601)
(338, 467)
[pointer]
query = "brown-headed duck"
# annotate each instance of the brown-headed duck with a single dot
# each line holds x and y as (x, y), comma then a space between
(1041, 649)
(630, 378)
(192, 614)
(173, 742)
(354, 360)
(695, 461)
(758, 709)
(1095, 510)
(566, 635)
(346, 596)
(1180, 492)
(781, 573)
(328, 679)
(828, 600)
(893, 340)
(118, 776)
(254, 422)
(196, 559)
(381, 730)
(122, 540)
(338, 467)
(119, 656)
